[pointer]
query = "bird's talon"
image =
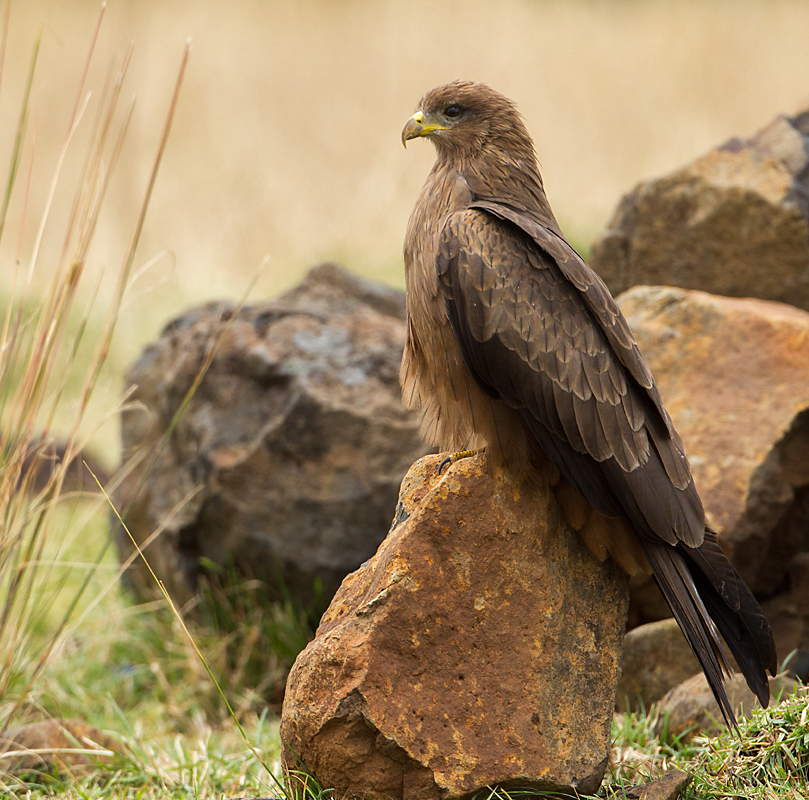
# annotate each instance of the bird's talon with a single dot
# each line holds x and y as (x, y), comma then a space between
(459, 456)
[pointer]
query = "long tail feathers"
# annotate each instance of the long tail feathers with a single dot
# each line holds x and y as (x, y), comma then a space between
(705, 592)
(736, 613)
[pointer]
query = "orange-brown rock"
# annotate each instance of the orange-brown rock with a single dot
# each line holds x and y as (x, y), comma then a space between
(734, 375)
(734, 222)
(479, 646)
(60, 745)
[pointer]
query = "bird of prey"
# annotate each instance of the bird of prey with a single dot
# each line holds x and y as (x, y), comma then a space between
(515, 345)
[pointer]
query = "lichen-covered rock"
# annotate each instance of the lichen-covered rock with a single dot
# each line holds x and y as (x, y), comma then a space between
(734, 222)
(479, 646)
(734, 375)
(288, 458)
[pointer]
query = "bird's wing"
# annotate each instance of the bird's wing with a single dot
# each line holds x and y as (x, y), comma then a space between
(558, 349)
(596, 296)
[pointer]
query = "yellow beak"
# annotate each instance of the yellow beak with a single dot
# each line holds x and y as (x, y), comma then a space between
(417, 126)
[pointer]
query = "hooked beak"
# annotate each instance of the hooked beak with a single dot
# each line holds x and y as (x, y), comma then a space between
(418, 126)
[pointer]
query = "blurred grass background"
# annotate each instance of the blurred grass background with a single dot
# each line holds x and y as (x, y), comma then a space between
(286, 150)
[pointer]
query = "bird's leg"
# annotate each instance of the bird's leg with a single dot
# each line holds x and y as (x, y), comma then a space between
(458, 457)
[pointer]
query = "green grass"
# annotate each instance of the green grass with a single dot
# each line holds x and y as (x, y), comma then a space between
(131, 671)
(768, 760)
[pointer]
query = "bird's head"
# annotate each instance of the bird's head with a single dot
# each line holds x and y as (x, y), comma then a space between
(464, 118)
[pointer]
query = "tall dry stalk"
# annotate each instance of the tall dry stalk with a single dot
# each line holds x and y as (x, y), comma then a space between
(41, 334)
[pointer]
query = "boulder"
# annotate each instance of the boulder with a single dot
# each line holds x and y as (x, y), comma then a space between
(480, 646)
(287, 458)
(657, 658)
(734, 222)
(690, 709)
(733, 375)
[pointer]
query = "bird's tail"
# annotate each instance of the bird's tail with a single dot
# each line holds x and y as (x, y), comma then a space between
(706, 593)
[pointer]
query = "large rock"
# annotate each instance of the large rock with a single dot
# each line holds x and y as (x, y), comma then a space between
(734, 375)
(288, 458)
(480, 646)
(734, 222)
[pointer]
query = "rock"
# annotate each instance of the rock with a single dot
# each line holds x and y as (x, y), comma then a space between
(480, 646)
(656, 659)
(690, 709)
(646, 602)
(668, 787)
(47, 738)
(734, 222)
(733, 375)
(44, 460)
(788, 614)
(288, 458)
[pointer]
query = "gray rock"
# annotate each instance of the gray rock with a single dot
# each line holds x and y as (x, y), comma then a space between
(288, 458)
(690, 709)
(656, 659)
(735, 222)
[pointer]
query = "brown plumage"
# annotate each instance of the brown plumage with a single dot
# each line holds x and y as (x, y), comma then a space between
(514, 344)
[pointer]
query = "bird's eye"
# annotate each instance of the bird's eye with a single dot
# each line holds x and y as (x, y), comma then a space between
(452, 111)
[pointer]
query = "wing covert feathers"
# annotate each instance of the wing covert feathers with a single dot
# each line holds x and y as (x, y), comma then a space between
(540, 331)
(528, 339)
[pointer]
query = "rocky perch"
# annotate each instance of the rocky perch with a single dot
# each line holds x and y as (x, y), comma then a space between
(481, 645)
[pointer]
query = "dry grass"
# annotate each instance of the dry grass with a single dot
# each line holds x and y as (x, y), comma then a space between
(287, 145)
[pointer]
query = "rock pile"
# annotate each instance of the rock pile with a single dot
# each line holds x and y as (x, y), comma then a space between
(734, 373)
